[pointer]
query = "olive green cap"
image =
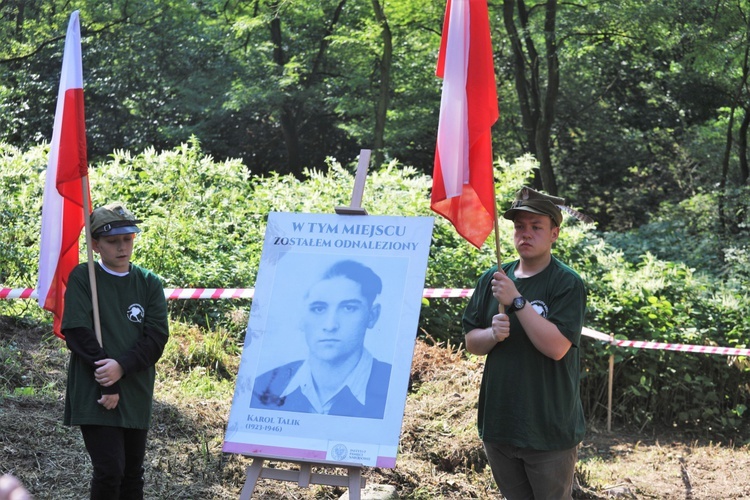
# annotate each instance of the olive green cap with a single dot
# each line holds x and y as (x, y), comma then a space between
(113, 219)
(529, 200)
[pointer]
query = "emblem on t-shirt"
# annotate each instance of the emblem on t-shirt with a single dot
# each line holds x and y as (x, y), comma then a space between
(136, 313)
(540, 307)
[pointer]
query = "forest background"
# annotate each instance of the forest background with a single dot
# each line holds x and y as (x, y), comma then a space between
(204, 116)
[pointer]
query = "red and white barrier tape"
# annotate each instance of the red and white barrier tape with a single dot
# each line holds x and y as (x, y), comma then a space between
(231, 293)
(643, 344)
(17, 293)
(209, 293)
(429, 293)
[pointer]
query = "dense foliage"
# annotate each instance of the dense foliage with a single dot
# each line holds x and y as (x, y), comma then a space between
(673, 280)
(627, 104)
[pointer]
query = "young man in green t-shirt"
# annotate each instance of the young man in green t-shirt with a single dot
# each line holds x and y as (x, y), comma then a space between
(530, 416)
(110, 386)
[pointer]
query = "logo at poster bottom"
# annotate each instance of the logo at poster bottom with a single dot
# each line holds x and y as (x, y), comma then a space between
(339, 452)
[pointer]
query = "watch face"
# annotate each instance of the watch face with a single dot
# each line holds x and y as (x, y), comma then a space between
(518, 302)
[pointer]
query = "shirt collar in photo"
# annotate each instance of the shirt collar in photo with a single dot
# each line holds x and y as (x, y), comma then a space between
(356, 381)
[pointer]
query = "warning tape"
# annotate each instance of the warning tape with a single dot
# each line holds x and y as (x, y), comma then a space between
(209, 293)
(231, 293)
(428, 293)
(645, 344)
(17, 293)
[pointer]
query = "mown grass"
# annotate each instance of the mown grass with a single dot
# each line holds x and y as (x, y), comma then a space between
(439, 457)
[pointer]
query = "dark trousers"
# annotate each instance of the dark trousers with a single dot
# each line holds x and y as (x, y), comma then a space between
(523, 474)
(117, 456)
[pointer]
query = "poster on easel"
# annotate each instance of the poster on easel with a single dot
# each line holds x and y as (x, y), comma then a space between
(325, 365)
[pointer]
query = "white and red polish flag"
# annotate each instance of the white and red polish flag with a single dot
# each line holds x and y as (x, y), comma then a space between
(463, 189)
(62, 208)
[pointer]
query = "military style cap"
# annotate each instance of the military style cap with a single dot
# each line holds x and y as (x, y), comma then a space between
(528, 200)
(113, 219)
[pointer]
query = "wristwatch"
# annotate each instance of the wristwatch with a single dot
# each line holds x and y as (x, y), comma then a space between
(517, 304)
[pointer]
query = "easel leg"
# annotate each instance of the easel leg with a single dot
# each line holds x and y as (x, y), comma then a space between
(253, 473)
(304, 477)
(355, 483)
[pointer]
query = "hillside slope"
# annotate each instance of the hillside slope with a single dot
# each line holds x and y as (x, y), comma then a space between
(440, 454)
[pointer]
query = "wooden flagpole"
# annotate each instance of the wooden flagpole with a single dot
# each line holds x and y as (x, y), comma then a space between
(500, 307)
(90, 252)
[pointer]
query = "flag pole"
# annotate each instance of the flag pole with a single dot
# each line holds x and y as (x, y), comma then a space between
(496, 225)
(90, 252)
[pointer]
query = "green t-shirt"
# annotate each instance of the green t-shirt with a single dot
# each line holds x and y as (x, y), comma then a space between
(127, 305)
(527, 399)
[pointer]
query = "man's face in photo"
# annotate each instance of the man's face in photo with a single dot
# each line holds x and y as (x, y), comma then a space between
(336, 319)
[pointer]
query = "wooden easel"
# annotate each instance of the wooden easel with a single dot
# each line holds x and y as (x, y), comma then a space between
(304, 475)
(355, 207)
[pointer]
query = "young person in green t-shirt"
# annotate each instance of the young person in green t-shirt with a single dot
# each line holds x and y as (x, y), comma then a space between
(110, 387)
(530, 417)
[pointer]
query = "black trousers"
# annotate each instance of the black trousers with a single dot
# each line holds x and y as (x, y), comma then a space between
(117, 456)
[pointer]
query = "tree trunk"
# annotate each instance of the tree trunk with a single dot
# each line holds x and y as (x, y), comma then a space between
(287, 116)
(384, 96)
(528, 118)
(325, 40)
(742, 147)
(738, 102)
(723, 222)
(537, 106)
(549, 102)
(287, 111)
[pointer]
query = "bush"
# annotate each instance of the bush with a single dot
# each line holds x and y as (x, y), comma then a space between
(204, 223)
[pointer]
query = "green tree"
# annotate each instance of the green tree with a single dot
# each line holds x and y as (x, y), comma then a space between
(626, 105)
(153, 72)
(282, 90)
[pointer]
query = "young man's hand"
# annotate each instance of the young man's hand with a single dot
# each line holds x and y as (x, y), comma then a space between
(503, 288)
(500, 327)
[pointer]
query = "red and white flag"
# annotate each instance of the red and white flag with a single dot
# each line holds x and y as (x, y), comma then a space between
(62, 208)
(463, 189)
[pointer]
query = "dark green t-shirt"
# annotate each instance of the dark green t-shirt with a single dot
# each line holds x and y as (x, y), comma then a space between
(127, 305)
(526, 398)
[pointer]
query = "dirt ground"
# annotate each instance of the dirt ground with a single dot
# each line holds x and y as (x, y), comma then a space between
(439, 457)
